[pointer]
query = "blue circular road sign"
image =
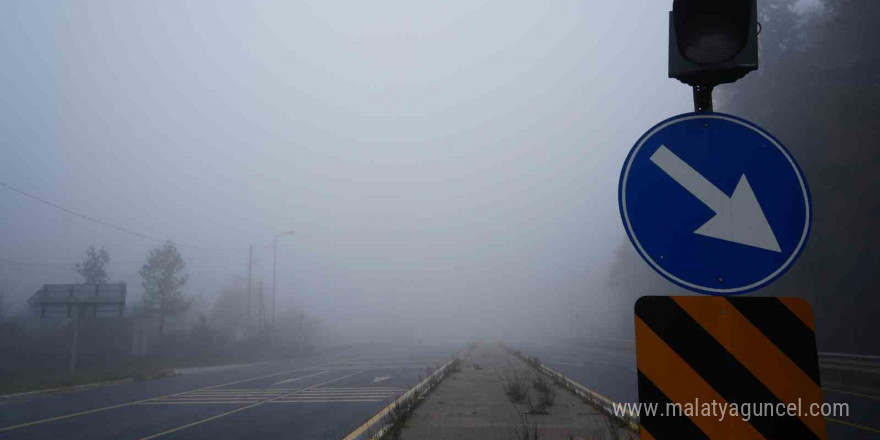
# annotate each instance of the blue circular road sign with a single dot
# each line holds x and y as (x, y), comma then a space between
(714, 203)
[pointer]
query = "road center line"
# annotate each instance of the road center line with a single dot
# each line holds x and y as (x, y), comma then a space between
(205, 420)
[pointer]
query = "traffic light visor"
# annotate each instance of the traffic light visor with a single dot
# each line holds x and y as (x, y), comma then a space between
(711, 31)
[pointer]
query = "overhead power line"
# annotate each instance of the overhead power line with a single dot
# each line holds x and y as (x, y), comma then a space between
(112, 226)
(51, 267)
(23, 263)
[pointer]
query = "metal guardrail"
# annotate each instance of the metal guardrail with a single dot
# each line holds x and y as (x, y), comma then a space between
(850, 372)
(850, 356)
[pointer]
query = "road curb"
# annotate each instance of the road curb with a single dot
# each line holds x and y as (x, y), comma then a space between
(366, 430)
(65, 389)
(595, 398)
(168, 372)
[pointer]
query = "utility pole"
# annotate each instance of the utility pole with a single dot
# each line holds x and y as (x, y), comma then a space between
(75, 342)
(250, 274)
(261, 319)
(274, 268)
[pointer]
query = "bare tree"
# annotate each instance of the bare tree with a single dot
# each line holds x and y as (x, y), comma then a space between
(163, 279)
(92, 268)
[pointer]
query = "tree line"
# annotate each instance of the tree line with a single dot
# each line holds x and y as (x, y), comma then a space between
(163, 279)
(36, 351)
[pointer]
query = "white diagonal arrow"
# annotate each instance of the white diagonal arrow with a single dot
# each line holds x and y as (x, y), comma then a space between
(738, 218)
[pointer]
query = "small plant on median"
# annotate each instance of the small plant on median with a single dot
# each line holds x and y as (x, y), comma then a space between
(546, 395)
(399, 412)
(522, 430)
(535, 406)
(515, 384)
(454, 367)
(547, 398)
(397, 416)
(533, 362)
(615, 429)
(540, 383)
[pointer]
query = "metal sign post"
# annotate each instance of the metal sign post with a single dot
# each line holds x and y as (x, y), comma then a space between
(717, 205)
(77, 301)
(703, 99)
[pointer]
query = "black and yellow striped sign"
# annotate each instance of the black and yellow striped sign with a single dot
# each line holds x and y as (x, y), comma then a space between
(737, 368)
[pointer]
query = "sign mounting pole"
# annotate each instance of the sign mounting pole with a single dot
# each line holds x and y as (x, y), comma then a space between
(703, 98)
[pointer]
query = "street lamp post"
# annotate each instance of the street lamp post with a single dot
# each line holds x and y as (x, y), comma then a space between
(274, 268)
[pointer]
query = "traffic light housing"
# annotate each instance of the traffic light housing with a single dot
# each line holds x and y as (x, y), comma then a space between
(712, 42)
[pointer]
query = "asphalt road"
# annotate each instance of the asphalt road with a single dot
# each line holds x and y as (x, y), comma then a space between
(611, 370)
(322, 397)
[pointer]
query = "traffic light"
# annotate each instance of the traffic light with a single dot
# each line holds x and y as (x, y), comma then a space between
(712, 42)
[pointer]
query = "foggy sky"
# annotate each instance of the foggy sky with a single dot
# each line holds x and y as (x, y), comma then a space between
(447, 166)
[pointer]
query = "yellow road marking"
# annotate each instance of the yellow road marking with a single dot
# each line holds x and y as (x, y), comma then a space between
(379, 415)
(862, 427)
(868, 396)
(205, 420)
(91, 411)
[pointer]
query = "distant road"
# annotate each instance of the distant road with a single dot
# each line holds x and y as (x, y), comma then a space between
(610, 369)
(319, 398)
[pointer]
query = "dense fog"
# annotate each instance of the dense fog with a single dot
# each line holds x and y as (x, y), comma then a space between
(449, 170)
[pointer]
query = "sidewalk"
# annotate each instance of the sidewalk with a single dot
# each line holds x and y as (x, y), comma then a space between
(472, 404)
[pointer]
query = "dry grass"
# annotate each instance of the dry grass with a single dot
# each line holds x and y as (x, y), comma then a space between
(521, 429)
(515, 383)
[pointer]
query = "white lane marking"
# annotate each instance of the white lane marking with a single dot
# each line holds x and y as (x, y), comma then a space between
(362, 388)
(381, 379)
(136, 402)
(232, 396)
(199, 422)
(327, 401)
(296, 379)
(218, 402)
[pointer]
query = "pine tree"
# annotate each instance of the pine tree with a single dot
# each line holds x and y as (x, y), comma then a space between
(163, 279)
(92, 268)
